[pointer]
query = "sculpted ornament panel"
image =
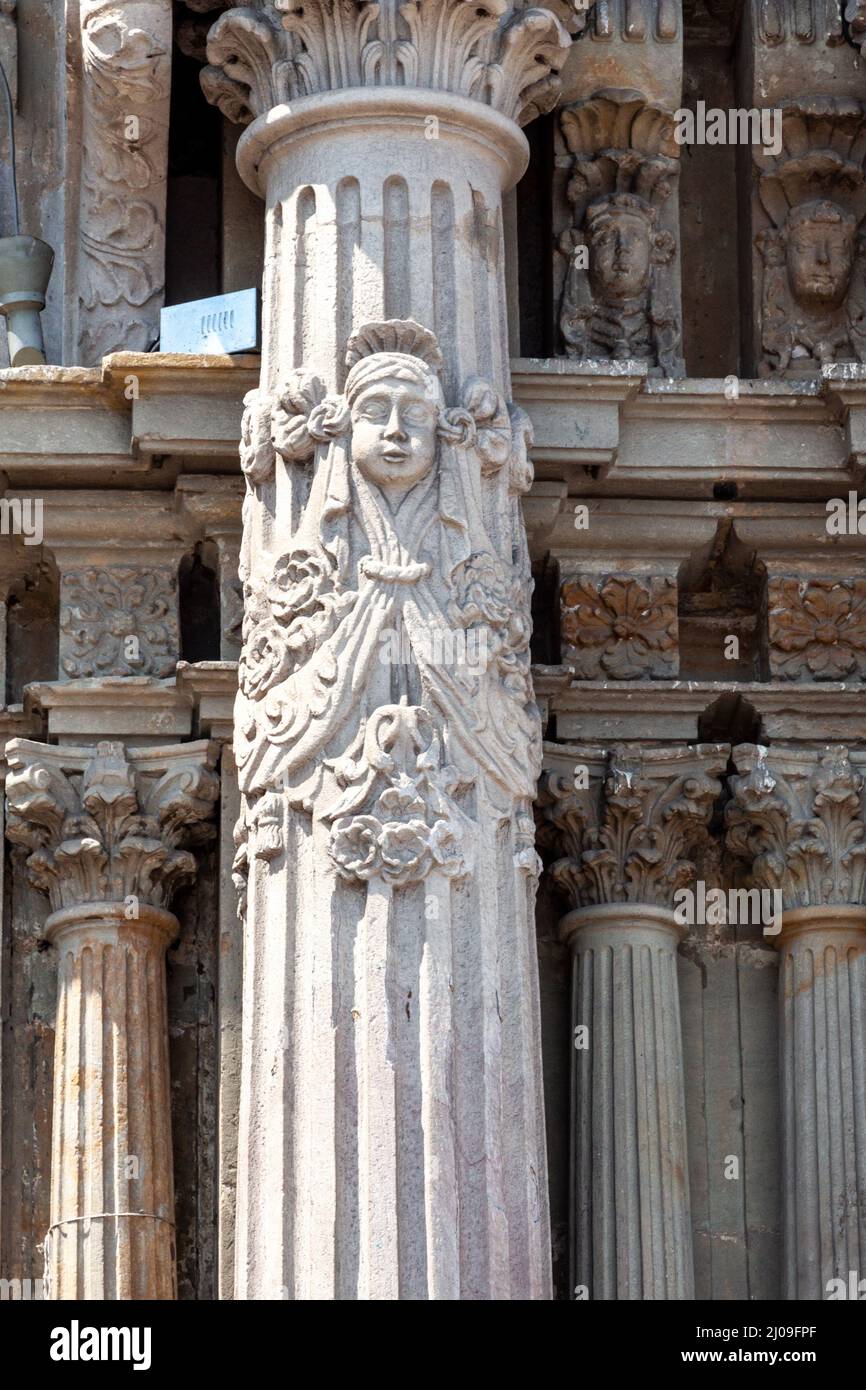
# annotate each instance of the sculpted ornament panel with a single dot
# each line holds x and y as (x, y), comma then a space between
(814, 271)
(620, 627)
(126, 61)
(817, 629)
(385, 669)
(798, 818)
(619, 300)
(119, 622)
(507, 55)
(107, 832)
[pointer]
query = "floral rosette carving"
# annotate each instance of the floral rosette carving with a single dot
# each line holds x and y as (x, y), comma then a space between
(412, 826)
(620, 627)
(396, 843)
(817, 628)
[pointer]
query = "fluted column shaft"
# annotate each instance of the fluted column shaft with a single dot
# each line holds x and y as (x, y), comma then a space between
(631, 1227)
(105, 831)
(822, 1022)
(391, 1129)
(112, 1233)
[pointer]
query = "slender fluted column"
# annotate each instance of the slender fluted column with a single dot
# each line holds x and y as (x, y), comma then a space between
(626, 828)
(104, 830)
(799, 817)
(391, 1132)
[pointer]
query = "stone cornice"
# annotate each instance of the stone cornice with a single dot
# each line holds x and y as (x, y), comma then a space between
(798, 821)
(104, 824)
(60, 423)
(505, 55)
(629, 838)
(624, 710)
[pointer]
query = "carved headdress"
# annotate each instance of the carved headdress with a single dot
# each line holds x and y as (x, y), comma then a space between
(821, 160)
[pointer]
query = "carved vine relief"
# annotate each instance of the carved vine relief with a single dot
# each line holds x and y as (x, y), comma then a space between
(385, 670)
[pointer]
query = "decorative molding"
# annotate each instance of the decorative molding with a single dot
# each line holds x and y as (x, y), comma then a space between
(126, 88)
(797, 820)
(119, 622)
(103, 825)
(636, 21)
(619, 626)
(798, 22)
(637, 842)
(505, 55)
(619, 298)
(813, 192)
(817, 628)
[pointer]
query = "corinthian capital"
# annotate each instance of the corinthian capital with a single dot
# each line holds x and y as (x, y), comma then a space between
(797, 816)
(635, 843)
(507, 55)
(103, 824)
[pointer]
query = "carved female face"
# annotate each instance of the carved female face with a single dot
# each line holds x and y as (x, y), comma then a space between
(394, 432)
(820, 260)
(620, 256)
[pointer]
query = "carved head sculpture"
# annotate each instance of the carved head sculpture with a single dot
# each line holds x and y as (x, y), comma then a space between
(395, 403)
(621, 235)
(619, 298)
(820, 241)
(814, 194)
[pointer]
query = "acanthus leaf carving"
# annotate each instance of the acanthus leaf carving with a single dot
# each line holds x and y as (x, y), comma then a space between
(100, 829)
(798, 820)
(634, 837)
(506, 55)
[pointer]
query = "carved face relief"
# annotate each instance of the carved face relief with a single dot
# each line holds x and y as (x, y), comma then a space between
(820, 260)
(620, 256)
(394, 426)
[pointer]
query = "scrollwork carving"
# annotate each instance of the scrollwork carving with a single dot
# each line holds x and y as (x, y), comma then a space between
(126, 62)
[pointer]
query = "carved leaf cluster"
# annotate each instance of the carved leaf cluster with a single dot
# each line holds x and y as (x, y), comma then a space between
(800, 826)
(635, 840)
(108, 833)
(505, 55)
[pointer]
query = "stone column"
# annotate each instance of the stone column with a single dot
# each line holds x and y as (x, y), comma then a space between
(799, 817)
(627, 837)
(387, 742)
(105, 831)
